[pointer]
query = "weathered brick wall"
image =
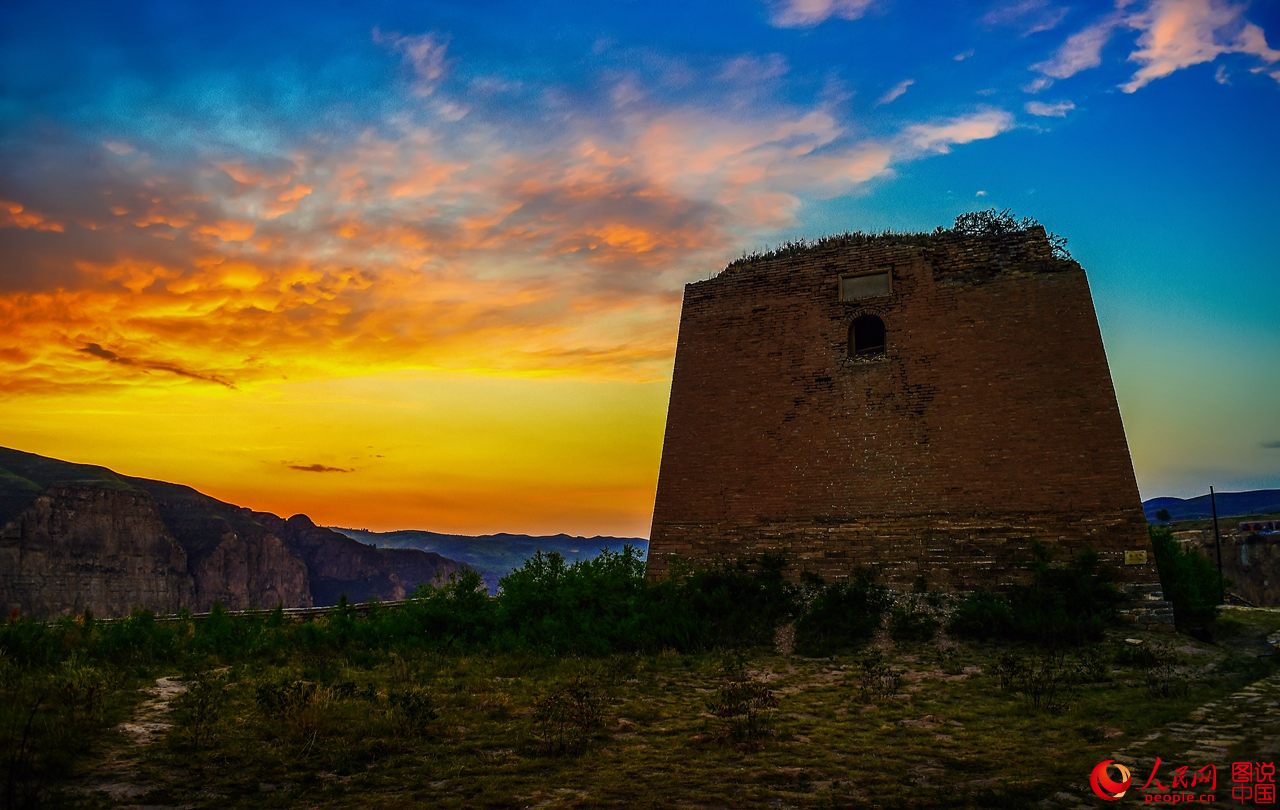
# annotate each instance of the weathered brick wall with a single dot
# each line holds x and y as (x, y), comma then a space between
(989, 421)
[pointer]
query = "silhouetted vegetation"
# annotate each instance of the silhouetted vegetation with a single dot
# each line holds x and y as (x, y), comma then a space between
(567, 716)
(974, 224)
(916, 617)
(1067, 604)
(591, 607)
(742, 705)
(511, 698)
(878, 679)
(1189, 579)
(841, 616)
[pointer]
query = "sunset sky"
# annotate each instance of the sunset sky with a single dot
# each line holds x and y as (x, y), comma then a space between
(419, 265)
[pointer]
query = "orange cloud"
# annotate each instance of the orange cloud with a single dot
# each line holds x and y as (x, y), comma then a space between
(228, 230)
(431, 243)
(1181, 33)
(403, 285)
(15, 215)
(287, 201)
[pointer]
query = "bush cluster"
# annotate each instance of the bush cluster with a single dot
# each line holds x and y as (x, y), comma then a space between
(591, 607)
(568, 716)
(1065, 604)
(842, 615)
(1189, 580)
(877, 678)
(742, 705)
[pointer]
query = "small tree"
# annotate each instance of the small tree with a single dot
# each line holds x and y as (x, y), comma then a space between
(998, 223)
(1190, 581)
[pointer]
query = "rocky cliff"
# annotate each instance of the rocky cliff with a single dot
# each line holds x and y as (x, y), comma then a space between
(78, 547)
(76, 537)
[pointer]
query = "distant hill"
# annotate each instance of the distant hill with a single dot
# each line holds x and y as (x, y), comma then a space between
(1230, 504)
(495, 555)
(76, 537)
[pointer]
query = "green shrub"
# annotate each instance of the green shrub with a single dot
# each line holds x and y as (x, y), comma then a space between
(80, 692)
(48, 717)
(742, 704)
(1045, 681)
(1189, 580)
(841, 616)
(1140, 656)
(877, 678)
(726, 605)
(458, 614)
(1065, 604)
(198, 711)
(412, 710)
(1166, 679)
(136, 641)
(27, 643)
(911, 619)
(593, 606)
(285, 698)
(567, 717)
(982, 614)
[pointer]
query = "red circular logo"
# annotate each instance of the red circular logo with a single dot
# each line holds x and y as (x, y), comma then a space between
(1104, 786)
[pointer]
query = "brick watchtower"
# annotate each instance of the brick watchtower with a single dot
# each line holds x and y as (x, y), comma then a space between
(927, 405)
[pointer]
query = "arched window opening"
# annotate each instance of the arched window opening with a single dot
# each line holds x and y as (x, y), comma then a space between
(866, 337)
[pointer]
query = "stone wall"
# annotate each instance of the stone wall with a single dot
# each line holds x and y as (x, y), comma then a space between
(989, 421)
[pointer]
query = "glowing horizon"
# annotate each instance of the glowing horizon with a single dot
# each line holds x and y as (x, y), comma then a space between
(413, 269)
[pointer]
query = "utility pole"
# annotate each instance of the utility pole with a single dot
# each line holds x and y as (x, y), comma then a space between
(1217, 541)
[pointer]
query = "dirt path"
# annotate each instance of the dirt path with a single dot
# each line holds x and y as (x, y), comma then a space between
(1241, 726)
(113, 779)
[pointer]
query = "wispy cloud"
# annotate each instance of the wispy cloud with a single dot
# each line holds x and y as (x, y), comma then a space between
(1173, 34)
(750, 68)
(808, 13)
(1177, 34)
(1037, 84)
(1058, 109)
(319, 468)
(939, 136)
(1031, 16)
(423, 53)
(895, 92)
(1081, 51)
(95, 350)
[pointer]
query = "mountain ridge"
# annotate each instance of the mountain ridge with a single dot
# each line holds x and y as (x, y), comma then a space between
(1230, 504)
(80, 536)
(495, 555)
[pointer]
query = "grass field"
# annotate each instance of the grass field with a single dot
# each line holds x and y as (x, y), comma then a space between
(917, 724)
(585, 686)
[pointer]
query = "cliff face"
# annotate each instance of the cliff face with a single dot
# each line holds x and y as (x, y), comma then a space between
(339, 565)
(74, 537)
(245, 572)
(79, 546)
